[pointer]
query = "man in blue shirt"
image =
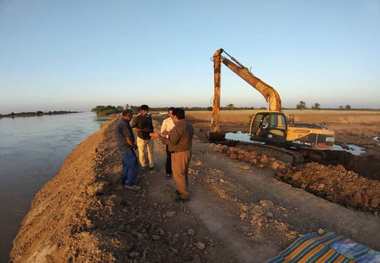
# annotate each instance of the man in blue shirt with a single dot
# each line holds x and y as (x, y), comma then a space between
(130, 166)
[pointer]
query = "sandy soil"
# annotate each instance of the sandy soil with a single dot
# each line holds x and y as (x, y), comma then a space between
(238, 212)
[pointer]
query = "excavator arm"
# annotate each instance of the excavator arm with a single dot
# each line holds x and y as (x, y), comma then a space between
(269, 93)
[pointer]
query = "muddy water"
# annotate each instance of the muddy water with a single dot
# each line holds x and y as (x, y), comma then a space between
(246, 138)
(31, 152)
(240, 137)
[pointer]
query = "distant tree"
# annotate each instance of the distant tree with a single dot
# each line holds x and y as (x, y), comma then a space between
(134, 108)
(102, 110)
(341, 107)
(316, 106)
(230, 106)
(301, 105)
(209, 108)
(347, 107)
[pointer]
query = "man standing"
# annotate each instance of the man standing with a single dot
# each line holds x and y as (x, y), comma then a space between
(130, 166)
(166, 127)
(179, 142)
(143, 125)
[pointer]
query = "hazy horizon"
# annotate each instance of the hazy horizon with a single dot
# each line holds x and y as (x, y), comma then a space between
(74, 55)
(88, 109)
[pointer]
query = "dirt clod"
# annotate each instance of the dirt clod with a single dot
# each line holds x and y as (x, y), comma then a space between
(200, 245)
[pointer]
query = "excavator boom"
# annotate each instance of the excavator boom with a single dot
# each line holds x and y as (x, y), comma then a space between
(269, 93)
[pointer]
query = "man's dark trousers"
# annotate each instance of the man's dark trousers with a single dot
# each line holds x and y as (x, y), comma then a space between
(168, 166)
(130, 168)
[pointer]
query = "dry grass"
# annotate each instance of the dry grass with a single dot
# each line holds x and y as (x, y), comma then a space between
(310, 116)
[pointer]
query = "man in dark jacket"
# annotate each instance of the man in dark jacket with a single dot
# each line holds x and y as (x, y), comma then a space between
(143, 125)
(130, 166)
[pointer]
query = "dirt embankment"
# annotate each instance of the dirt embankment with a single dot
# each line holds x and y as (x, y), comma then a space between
(335, 183)
(84, 215)
(56, 229)
(332, 182)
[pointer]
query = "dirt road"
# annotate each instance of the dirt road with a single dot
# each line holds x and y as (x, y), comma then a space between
(238, 213)
(256, 215)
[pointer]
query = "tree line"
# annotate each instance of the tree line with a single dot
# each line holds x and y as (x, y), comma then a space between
(316, 106)
(105, 110)
(34, 113)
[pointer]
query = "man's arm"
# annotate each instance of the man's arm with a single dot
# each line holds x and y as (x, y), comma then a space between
(150, 125)
(129, 138)
(173, 137)
(163, 126)
(130, 142)
(134, 122)
(120, 133)
(120, 130)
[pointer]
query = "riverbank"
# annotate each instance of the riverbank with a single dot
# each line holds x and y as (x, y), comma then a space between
(84, 215)
(54, 226)
(35, 113)
(238, 213)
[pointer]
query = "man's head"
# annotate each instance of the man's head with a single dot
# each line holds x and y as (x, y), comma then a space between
(127, 115)
(178, 114)
(170, 111)
(144, 109)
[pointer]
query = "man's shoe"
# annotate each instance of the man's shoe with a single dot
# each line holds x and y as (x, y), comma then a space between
(132, 187)
(151, 168)
(179, 199)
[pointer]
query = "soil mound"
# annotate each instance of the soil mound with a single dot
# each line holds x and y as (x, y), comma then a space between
(332, 182)
(336, 184)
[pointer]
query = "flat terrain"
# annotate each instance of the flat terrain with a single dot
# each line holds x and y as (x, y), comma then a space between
(238, 213)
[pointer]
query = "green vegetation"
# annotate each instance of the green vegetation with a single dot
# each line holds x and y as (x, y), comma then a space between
(301, 105)
(102, 111)
(316, 106)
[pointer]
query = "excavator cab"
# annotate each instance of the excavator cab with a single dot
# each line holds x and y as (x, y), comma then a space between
(269, 127)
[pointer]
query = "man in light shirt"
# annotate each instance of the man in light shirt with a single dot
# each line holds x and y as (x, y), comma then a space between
(166, 127)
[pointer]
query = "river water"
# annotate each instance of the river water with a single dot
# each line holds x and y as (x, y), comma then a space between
(31, 151)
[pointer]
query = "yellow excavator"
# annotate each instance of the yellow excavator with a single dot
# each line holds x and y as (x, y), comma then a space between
(271, 126)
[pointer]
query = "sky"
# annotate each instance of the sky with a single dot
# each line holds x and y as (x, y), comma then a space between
(76, 54)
